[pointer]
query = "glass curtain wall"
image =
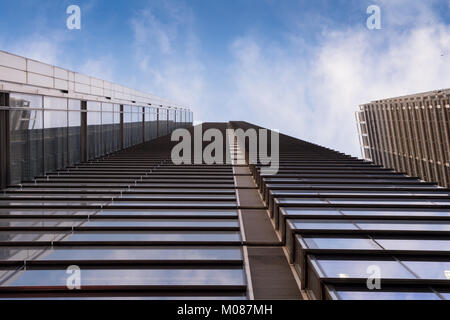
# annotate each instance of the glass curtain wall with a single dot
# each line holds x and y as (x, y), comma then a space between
(26, 141)
(171, 123)
(117, 137)
(94, 130)
(127, 126)
(45, 132)
(107, 128)
(162, 123)
(150, 123)
(137, 125)
(55, 133)
(74, 132)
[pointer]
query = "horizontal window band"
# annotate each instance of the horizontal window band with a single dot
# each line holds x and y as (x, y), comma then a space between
(62, 243)
(134, 228)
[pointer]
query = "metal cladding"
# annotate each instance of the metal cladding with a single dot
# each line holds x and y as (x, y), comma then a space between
(410, 134)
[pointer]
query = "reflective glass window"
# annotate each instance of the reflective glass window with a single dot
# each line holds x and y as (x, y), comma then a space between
(129, 277)
(140, 253)
(430, 269)
(360, 269)
(107, 128)
(26, 137)
(127, 126)
(403, 225)
(387, 295)
(341, 243)
(94, 129)
(155, 236)
(381, 212)
(55, 133)
(74, 132)
(193, 213)
(162, 223)
(414, 244)
(311, 212)
(321, 224)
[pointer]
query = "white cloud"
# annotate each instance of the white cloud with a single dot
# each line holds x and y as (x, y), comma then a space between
(38, 47)
(101, 68)
(166, 52)
(316, 101)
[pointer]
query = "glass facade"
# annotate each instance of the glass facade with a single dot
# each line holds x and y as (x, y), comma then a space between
(94, 129)
(125, 234)
(74, 132)
(346, 221)
(150, 123)
(46, 132)
(26, 141)
(55, 133)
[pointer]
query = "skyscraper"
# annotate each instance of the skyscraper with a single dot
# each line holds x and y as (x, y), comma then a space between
(410, 134)
(96, 208)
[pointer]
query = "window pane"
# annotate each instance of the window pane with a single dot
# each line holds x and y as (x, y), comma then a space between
(169, 212)
(26, 138)
(94, 130)
(154, 236)
(430, 269)
(130, 277)
(107, 128)
(414, 244)
(127, 126)
(321, 224)
(386, 295)
(311, 212)
(341, 243)
(358, 269)
(55, 133)
(139, 253)
(400, 225)
(74, 132)
(162, 223)
(399, 212)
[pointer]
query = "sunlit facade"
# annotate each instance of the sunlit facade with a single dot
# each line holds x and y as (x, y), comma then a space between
(410, 134)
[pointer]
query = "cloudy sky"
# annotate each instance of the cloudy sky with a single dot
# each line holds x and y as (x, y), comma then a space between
(299, 66)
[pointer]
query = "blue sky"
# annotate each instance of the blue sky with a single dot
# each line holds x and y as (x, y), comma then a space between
(302, 67)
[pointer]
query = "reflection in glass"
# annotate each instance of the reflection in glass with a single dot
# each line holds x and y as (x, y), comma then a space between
(387, 295)
(399, 212)
(162, 223)
(55, 133)
(155, 236)
(430, 269)
(94, 129)
(140, 253)
(402, 225)
(414, 244)
(179, 212)
(130, 277)
(358, 269)
(107, 128)
(74, 132)
(310, 212)
(26, 140)
(342, 243)
(322, 224)
(127, 126)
